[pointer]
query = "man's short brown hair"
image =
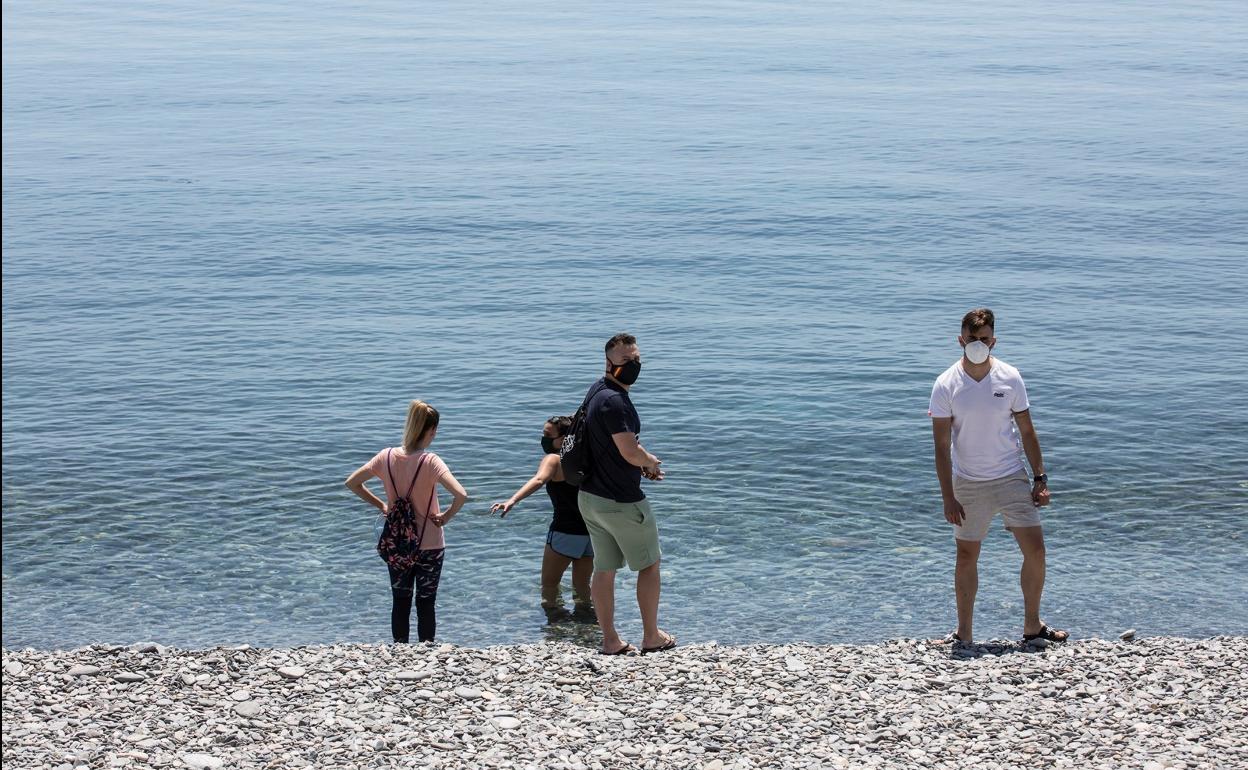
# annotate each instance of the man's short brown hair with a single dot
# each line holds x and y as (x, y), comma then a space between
(620, 339)
(978, 319)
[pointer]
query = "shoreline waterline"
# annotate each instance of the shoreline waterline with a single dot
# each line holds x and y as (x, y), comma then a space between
(1155, 702)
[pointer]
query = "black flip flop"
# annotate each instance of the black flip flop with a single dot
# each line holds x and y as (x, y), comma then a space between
(1047, 634)
(626, 649)
(669, 644)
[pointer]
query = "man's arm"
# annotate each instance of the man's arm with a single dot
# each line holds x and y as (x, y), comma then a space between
(634, 453)
(1031, 448)
(942, 440)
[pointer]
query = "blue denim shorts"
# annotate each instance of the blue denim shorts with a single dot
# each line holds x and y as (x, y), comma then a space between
(571, 546)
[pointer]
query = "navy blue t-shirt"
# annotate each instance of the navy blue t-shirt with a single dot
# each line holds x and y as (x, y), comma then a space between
(610, 411)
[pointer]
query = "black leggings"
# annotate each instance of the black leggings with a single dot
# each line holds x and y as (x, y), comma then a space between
(421, 579)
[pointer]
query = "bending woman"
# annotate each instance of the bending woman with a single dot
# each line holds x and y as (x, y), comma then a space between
(413, 472)
(567, 540)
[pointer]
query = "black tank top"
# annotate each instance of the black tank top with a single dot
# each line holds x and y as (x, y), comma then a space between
(567, 513)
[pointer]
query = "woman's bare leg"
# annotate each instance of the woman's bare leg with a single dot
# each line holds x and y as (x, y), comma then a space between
(553, 567)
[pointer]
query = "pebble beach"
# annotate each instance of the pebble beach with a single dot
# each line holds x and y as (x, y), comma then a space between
(1149, 703)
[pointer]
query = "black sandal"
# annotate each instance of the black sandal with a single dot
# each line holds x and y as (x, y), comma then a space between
(1052, 635)
(669, 644)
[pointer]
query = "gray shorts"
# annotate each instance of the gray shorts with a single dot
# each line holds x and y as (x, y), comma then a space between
(621, 532)
(981, 500)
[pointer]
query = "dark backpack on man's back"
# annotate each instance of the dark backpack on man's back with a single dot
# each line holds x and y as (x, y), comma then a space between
(574, 454)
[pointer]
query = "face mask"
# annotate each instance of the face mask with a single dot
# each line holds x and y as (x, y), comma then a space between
(977, 352)
(627, 372)
(548, 445)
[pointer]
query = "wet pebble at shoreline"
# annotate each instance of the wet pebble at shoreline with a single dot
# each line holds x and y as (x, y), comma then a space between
(1152, 703)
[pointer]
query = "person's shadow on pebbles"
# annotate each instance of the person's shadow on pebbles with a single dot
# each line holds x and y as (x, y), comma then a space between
(974, 651)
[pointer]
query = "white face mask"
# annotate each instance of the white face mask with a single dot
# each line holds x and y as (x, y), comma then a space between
(977, 352)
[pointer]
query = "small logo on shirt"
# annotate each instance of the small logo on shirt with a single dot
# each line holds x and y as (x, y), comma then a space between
(998, 395)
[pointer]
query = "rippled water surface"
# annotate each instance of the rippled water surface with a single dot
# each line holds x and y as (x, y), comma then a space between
(238, 238)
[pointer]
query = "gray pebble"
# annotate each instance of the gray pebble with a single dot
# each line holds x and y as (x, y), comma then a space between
(83, 670)
(247, 708)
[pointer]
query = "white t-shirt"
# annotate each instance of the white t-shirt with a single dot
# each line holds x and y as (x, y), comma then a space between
(986, 444)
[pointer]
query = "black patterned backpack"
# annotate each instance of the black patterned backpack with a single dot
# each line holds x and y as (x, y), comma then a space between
(399, 545)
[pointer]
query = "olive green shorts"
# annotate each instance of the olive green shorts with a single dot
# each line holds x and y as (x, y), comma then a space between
(620, 532)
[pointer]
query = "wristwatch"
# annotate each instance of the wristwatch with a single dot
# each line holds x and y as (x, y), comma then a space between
(1043, 478)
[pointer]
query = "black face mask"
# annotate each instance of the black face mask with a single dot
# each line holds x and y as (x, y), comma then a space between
(627, 372)
(548, 445)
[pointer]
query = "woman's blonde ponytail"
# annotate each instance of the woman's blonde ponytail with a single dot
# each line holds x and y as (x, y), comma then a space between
(421, 418)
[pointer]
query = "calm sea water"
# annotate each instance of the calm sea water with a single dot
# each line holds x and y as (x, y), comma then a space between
(238, 238)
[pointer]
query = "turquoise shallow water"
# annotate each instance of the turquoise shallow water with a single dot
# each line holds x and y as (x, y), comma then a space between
(238, 238)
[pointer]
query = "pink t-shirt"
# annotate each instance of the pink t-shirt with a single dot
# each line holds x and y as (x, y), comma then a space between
(424, 497)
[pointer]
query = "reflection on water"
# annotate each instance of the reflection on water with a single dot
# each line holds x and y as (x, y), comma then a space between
(578, 626)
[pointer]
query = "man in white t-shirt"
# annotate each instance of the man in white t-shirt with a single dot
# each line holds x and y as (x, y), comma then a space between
(981, 424)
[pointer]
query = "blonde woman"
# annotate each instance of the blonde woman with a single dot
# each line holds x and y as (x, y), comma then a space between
(412, 473)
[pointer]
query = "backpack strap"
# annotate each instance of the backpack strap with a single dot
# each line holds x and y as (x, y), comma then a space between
(590, 397)
(390, 451)
(433, 495)
(416, 475)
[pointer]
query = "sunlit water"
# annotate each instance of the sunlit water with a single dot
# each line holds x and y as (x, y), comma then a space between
(238, 238)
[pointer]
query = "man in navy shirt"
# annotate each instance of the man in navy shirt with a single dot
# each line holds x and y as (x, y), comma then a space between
(616, 512)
